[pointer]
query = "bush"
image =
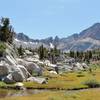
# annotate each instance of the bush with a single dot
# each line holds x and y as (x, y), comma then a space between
(2, 49)
(80, 75)
(92, 83)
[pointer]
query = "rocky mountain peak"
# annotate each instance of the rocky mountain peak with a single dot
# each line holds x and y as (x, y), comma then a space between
(87, 39)
(93, 32)
(22, 37)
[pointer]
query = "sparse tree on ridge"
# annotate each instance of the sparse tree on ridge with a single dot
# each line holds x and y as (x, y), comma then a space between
(20, 50)
(6, 30)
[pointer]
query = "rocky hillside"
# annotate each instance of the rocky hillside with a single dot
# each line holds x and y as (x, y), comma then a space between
(93, 32)
(86, 40)
(14, 69)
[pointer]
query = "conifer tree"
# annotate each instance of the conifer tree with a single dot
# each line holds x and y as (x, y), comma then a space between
(6, 30)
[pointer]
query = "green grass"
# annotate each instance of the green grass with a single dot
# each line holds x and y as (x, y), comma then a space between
(5, 86)
(64, 81)
(71, 80)
(2, 84)
(92, 83)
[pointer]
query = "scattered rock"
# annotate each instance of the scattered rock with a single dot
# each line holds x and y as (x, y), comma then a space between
(84, 65)
(79, 66)
(38, 80)
(28, 52)
(20, 86)
(52, 72)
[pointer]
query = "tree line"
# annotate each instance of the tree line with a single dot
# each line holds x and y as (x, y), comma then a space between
(86, 56)
(44, 53)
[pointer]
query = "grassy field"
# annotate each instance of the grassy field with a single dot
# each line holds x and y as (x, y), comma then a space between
(73, 81)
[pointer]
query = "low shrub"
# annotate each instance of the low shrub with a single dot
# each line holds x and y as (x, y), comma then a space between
(92, 83)
(80, 75)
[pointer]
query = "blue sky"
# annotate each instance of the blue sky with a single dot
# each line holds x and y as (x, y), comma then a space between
(44, 18)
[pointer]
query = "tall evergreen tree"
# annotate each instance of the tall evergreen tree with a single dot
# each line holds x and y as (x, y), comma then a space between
(41, 52)
(20, 51)
(6, 30)
(72, 54)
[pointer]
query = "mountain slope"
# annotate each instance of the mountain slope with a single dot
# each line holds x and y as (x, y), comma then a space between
(93, 32)
(86, 40)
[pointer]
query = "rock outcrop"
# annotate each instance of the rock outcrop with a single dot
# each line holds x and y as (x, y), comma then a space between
(16, 70)
(8, 79)
(18, 74)
(4, 69)
(30, 66)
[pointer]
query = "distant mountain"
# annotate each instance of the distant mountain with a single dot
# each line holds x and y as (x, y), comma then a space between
(86, 40)
(47, 40)
(93, 32)
(22, 37)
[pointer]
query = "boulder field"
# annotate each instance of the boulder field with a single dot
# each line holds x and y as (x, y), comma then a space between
(14, 69)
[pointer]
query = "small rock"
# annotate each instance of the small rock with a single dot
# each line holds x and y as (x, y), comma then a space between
(38, 80)
(19, 86)
(53, 72)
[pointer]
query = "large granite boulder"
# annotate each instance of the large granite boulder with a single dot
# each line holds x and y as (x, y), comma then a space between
(24, 71)
(8, 79)
(16, 76)
(30, 66)
(4, 70)
(19, 74)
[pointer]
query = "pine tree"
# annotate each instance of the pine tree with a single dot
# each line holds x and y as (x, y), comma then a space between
(41, 52)
(6, 30)
(20, 50)
(72, 54)
(90, 54)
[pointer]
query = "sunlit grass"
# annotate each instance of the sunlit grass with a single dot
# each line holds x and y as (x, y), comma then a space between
(71, 80)
(65, 81)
